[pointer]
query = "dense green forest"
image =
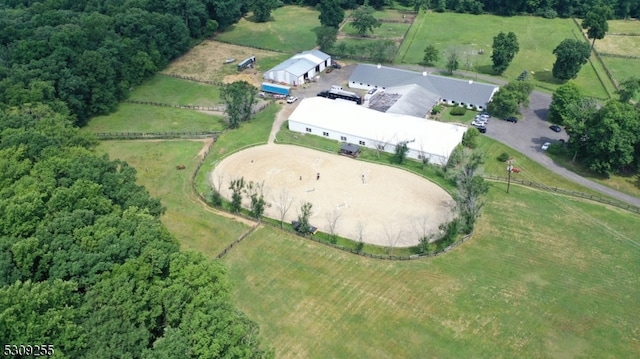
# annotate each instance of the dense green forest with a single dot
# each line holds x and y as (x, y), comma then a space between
(85, 263)
(622, 9)
(82, 56)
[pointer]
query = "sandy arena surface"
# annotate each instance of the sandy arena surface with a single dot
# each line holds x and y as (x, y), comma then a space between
(390, 205)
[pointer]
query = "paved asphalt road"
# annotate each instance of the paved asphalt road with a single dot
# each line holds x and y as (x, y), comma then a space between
(526, 136)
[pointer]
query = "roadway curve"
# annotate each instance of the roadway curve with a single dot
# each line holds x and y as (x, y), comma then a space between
(527, 136)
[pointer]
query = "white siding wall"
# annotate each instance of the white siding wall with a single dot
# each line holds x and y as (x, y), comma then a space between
(360, 141)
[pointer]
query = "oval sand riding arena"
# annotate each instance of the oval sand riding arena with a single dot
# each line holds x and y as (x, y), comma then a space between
(388, 206)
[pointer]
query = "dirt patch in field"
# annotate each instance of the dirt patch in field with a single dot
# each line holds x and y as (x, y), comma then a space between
(206, 61)
(391, 207)
(254, 78)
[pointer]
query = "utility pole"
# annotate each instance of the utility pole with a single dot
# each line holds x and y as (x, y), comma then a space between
(509, 170)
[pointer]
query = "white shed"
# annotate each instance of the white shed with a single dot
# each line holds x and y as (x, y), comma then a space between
(298, 68)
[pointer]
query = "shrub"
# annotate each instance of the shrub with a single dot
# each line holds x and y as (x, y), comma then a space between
(503, 157)
(458, 111)
(470, 138)
(436, 109)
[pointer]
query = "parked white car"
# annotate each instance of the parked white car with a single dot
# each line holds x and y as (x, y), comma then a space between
(292, 99)
(545, 146)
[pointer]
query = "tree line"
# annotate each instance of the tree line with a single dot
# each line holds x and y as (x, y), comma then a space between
(82, 57)
(87, 265)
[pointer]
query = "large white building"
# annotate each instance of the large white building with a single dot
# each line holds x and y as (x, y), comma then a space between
(347, 122)
(449, 90)
(298, 68)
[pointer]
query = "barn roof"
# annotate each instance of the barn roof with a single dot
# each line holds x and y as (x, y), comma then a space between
(415, 100)
(446, 88)
(349, 147)
(299, 64)
(438, 138)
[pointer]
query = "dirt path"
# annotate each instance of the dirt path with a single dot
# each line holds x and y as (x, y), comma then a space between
(281, 117)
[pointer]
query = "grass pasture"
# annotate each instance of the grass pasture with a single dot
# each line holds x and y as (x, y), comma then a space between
(387, 30)
(144, 118)
(544, 276)
(193, 224)
(290, 30)
(166, 89)
(468, 34)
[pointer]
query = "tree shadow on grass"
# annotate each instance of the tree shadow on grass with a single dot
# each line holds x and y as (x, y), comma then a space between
(546, 76)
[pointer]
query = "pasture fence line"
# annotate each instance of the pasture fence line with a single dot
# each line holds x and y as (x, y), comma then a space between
(238, 240)
(595, 198)
(193, 79)
(154, 135)
(247, 45)
(254, 110)
(182, 107)
(597, 55)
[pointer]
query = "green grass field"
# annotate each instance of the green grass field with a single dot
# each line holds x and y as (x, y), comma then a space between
(192, 223)
(165, 89)
(290, 30)
(144, 118)
(544, 276)
(385, 31)
(389, 14)
(468, 34)
(622, 69)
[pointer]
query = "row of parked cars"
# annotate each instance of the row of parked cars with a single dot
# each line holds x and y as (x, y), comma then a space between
(481, 121)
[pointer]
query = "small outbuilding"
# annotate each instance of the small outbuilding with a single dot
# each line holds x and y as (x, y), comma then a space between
(349, 149)
(299, 68)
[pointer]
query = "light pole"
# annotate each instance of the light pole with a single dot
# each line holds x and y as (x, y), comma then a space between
(509, 170)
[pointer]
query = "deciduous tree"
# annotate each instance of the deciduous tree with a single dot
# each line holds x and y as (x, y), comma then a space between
(326, 36)
(563, 97)
(331, 14)
(431, 55)
(262, 9)
(505, 48)
(570, 54)
(238, 97)
(364, 21)
(596, 23)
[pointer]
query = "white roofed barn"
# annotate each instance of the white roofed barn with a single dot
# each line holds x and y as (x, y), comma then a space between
(347, 122)
(298, 68)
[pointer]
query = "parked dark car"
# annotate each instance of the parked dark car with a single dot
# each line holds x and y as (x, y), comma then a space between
(511, 119)
(482, 129)
(555, 128)
(336, 65)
